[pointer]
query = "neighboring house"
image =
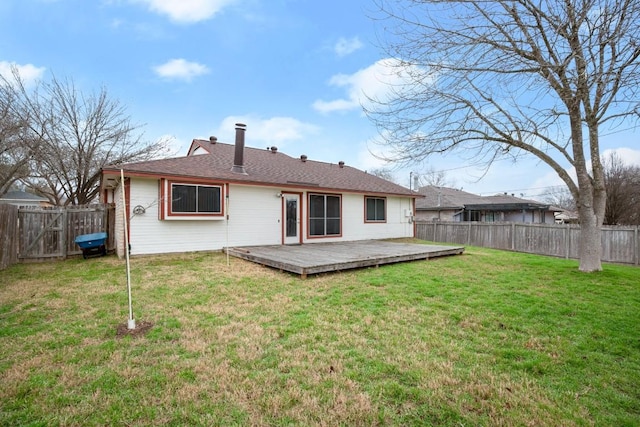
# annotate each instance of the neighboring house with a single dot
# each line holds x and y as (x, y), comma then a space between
(22, 198)
(223, 195)
(450, 204)
(564, 216)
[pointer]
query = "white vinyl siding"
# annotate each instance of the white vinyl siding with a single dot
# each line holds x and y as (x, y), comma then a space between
(398, 222)
(254, 218)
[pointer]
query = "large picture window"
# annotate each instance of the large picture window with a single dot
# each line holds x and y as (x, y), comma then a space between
(324, 215)
(196, 199)
(375, 209)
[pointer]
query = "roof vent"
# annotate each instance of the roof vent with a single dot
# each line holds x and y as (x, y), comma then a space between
(213, 139)
(273, 149)
(341, 163)
(303, 158)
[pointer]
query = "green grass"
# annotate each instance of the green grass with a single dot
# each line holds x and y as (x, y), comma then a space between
(486, 338)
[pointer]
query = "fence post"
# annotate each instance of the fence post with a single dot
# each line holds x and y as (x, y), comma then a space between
(636, 246)
(513, 236)
(65, 230)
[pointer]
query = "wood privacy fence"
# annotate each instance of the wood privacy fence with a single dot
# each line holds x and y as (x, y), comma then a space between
(9, 235)
(37, 234)
(619, 244)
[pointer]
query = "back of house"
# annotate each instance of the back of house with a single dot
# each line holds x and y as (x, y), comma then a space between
(229, 195)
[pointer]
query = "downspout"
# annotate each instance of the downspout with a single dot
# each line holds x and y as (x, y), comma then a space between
(413, 215)
(226, 207)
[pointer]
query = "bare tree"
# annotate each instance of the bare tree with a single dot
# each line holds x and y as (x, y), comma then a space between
(77, 135)
(560, 197)
(15, 149)
(435, 178)
(383, 173)
(623, 191)
(500, 78)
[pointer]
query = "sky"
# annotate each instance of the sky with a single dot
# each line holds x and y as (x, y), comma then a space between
(296, 72)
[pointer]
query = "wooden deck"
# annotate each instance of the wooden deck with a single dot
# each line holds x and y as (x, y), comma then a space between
(317, 258)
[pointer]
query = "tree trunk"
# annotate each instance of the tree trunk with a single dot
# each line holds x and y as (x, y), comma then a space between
(590, 203)
(593, 194)
(590, 241)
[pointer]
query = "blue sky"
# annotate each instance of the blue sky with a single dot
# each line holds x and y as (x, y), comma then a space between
(293, 70)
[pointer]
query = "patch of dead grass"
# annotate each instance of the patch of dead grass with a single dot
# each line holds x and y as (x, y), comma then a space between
(141, 329)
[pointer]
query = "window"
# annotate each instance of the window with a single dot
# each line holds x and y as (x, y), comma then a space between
(471, 216)
(324, 215)
(196, 199)
(375, 209)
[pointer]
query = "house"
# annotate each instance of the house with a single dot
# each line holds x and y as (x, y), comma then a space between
(228, 195)
(564, 216)
(450, 204)
(22, 199)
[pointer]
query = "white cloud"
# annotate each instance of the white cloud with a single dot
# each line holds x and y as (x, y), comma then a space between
(629, 156)
(369, 158)
(551, 179)
(186, 11)
(117, 23)
(180, 69)
(29, 73)
(278, 131)
(345, 46)
(375, 82)
(173, 146)
(335, 105)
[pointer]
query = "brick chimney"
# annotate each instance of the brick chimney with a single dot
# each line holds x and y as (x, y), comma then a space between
(238, 159)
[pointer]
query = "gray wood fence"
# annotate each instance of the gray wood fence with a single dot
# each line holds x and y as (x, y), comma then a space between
(9, 235)
(619, 244)
(39, 234)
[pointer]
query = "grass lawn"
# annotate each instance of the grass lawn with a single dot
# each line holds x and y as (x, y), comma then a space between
(485, 338)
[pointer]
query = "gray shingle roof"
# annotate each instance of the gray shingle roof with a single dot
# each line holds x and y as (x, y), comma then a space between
(450, 198)
(23, 196)
(445, 198)
(263, 167)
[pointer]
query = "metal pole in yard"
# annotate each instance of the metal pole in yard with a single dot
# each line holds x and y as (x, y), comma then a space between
(227, 221)
(131, 323)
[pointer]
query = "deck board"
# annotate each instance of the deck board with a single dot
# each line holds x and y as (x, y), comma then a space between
(326, 257)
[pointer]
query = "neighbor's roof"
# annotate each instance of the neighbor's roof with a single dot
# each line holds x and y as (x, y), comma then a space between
(506, 202)
(263, 167)
(22, 196)
(444, 198)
